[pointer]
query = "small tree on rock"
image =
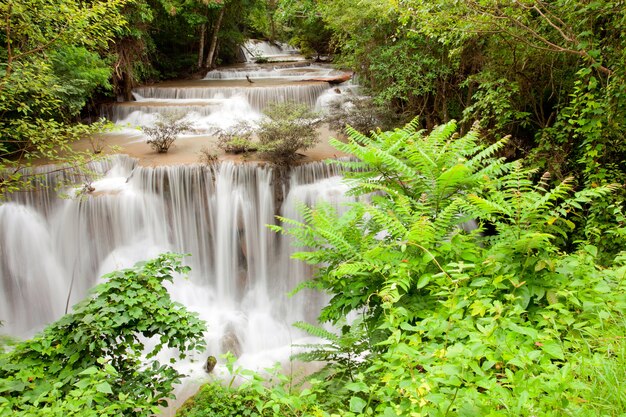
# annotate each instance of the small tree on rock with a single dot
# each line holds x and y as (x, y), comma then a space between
(287, 128)
(165, 131)
(236, 139)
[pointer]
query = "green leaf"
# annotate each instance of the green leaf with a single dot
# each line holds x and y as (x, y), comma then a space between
(553, 349)
(423, 281)
(89, 371)
(357, 404)
(104, 387)
(357, 386)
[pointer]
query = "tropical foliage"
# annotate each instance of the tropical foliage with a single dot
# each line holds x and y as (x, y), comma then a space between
(237, 138)
(100, 360)
(502, 319)
(49, 68)
(481, 284)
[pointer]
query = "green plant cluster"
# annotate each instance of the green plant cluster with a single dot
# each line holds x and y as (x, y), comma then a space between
(289, 127)
(501, 320)
(216, 400)
(50, 66)
(549, 73)
(237, 139)
(165, 131)
(360, 113)
(96, 361)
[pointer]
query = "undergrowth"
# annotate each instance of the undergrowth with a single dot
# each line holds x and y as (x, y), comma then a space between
(503, 320)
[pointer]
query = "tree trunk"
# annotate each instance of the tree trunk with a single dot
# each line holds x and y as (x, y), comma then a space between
(272, 9)
(213, 47)
(128, 87)
(201, 48)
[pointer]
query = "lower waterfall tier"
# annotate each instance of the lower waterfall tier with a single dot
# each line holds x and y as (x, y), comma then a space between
(54, 249)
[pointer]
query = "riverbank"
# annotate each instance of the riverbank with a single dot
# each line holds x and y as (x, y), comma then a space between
(189, 149)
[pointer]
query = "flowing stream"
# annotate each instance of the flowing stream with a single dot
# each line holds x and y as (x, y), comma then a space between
(54, 249)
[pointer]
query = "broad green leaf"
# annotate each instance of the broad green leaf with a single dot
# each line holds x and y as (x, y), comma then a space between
(357, 404)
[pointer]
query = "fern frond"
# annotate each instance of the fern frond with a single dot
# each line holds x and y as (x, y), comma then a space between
(559, 192)
(489, 207)
(442, 133)
(486, 155)
(412, 126)
(389, 221)
(453, 178)
(394, 163)
(422, 232)
(356, 136)
(317, 331)
(448, 219)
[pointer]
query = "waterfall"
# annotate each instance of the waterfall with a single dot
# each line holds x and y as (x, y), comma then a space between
(257, 96)
(295, 72)
(274, 52)
(241, 271)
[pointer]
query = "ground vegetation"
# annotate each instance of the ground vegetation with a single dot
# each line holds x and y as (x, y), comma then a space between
(96, 360)
(446, 319)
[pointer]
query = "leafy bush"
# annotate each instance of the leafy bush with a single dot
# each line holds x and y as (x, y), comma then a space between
(78, 74)
(165, 131)
(287, 128)
(360, 113)
(269, 395)
(455, 322)
(95, 360)
(215, 400)
(236, 139)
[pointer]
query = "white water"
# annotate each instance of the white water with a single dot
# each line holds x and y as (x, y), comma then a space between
(231, 95)
(254, 49)
(211, 107)
(241, 271)
(257, 96)
(294, 73)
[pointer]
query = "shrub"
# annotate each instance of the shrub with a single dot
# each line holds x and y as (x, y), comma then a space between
(236, 139)
(165, 131)
(95, 360)
(287, 128)
(360, 113)
(206, 156)
(215, 400)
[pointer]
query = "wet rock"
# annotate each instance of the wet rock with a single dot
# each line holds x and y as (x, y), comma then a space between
(210, 364)
(230, 342)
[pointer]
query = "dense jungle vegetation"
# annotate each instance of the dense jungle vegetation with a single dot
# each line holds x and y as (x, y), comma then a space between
(514, 115)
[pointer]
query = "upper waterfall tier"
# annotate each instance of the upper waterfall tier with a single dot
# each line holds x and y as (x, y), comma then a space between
(286, 72)
(227, 96)
(212, 106)
(259, 94)
(255, 50)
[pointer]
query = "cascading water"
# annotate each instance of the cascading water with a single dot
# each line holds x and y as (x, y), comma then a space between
(54, 249)
(230, 95)
(240, 270)
(254, 50)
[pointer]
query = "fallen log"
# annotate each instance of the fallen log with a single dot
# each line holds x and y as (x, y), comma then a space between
(337, 79)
